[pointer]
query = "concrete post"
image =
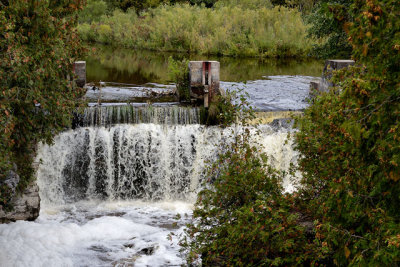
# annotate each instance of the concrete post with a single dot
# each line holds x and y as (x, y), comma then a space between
(330, 66)
(204, 80)
(80, 72)
(337, 64)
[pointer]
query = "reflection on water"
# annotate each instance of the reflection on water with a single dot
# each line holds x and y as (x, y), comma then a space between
(140, 67)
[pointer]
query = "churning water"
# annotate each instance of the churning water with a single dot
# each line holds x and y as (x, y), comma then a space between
(110, 195)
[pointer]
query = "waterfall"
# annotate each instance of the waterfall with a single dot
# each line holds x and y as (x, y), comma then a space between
(151, 162)
(110, 194)
(109, 115)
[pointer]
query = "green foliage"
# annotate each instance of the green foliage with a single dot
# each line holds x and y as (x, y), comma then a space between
(241, 217)
(226, 109)
(304, 6)
(206, 3)
(179, 73)
(349, 142)
(93, 11)
(328, 25)
(38, 45)
(257, 31)
(139, 5)
(245, 4)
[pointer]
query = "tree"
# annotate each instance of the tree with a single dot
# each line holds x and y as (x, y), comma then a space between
(349, 142)
(329, 23)
(38, 45)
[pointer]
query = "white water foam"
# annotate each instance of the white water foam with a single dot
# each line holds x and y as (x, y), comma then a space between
(85, 222)
(96, 234)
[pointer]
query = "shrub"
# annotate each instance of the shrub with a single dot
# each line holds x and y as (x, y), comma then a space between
(38, 45)
(93, 11)
(179, 73)
(241, 217)
(86, 32)
(349, 142)
(328, 26)
(245, 4)
(104, 33)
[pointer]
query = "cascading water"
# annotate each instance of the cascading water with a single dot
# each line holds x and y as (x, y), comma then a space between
(110, 192)
(143, 161)
(108, 115)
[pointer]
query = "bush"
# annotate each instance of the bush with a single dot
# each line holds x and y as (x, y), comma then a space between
(93, 11)
(179, 73)
(241, 217)
(349, 142)
(328, 26)
(245, 4)
(38, 46)
(104, 32)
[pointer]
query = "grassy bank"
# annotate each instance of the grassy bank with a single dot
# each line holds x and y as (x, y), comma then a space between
(223, 30)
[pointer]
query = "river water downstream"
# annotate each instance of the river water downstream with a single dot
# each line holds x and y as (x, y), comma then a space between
(112, 188)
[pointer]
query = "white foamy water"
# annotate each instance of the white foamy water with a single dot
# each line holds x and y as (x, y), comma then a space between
(96, 234)
(110, 195)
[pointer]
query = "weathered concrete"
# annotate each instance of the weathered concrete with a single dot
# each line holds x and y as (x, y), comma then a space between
(26, 206)
(330, 66)
(204, 80)
(337, 64)
(12, 179)
(80, 72)
(314, 84)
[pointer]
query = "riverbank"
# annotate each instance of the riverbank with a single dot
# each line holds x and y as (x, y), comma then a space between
(237, 31)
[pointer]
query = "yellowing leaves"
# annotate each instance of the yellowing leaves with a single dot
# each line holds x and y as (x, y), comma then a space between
(346, 252)
(395, 176)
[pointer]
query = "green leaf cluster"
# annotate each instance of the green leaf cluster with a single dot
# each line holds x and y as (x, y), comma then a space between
(178, 72)
(229, 108)
(328, 25)
(38, 45)
(349, 140)
(241, 217)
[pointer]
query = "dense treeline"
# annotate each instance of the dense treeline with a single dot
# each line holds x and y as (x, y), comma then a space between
(346, 209)
(233, 28)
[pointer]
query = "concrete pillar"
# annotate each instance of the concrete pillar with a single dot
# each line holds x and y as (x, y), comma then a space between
(204, 80)
(330, 66)
(337, 64)
(80, 72)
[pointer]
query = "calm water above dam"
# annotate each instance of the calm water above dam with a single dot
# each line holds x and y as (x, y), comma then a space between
(272, 84)
(142, 67)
